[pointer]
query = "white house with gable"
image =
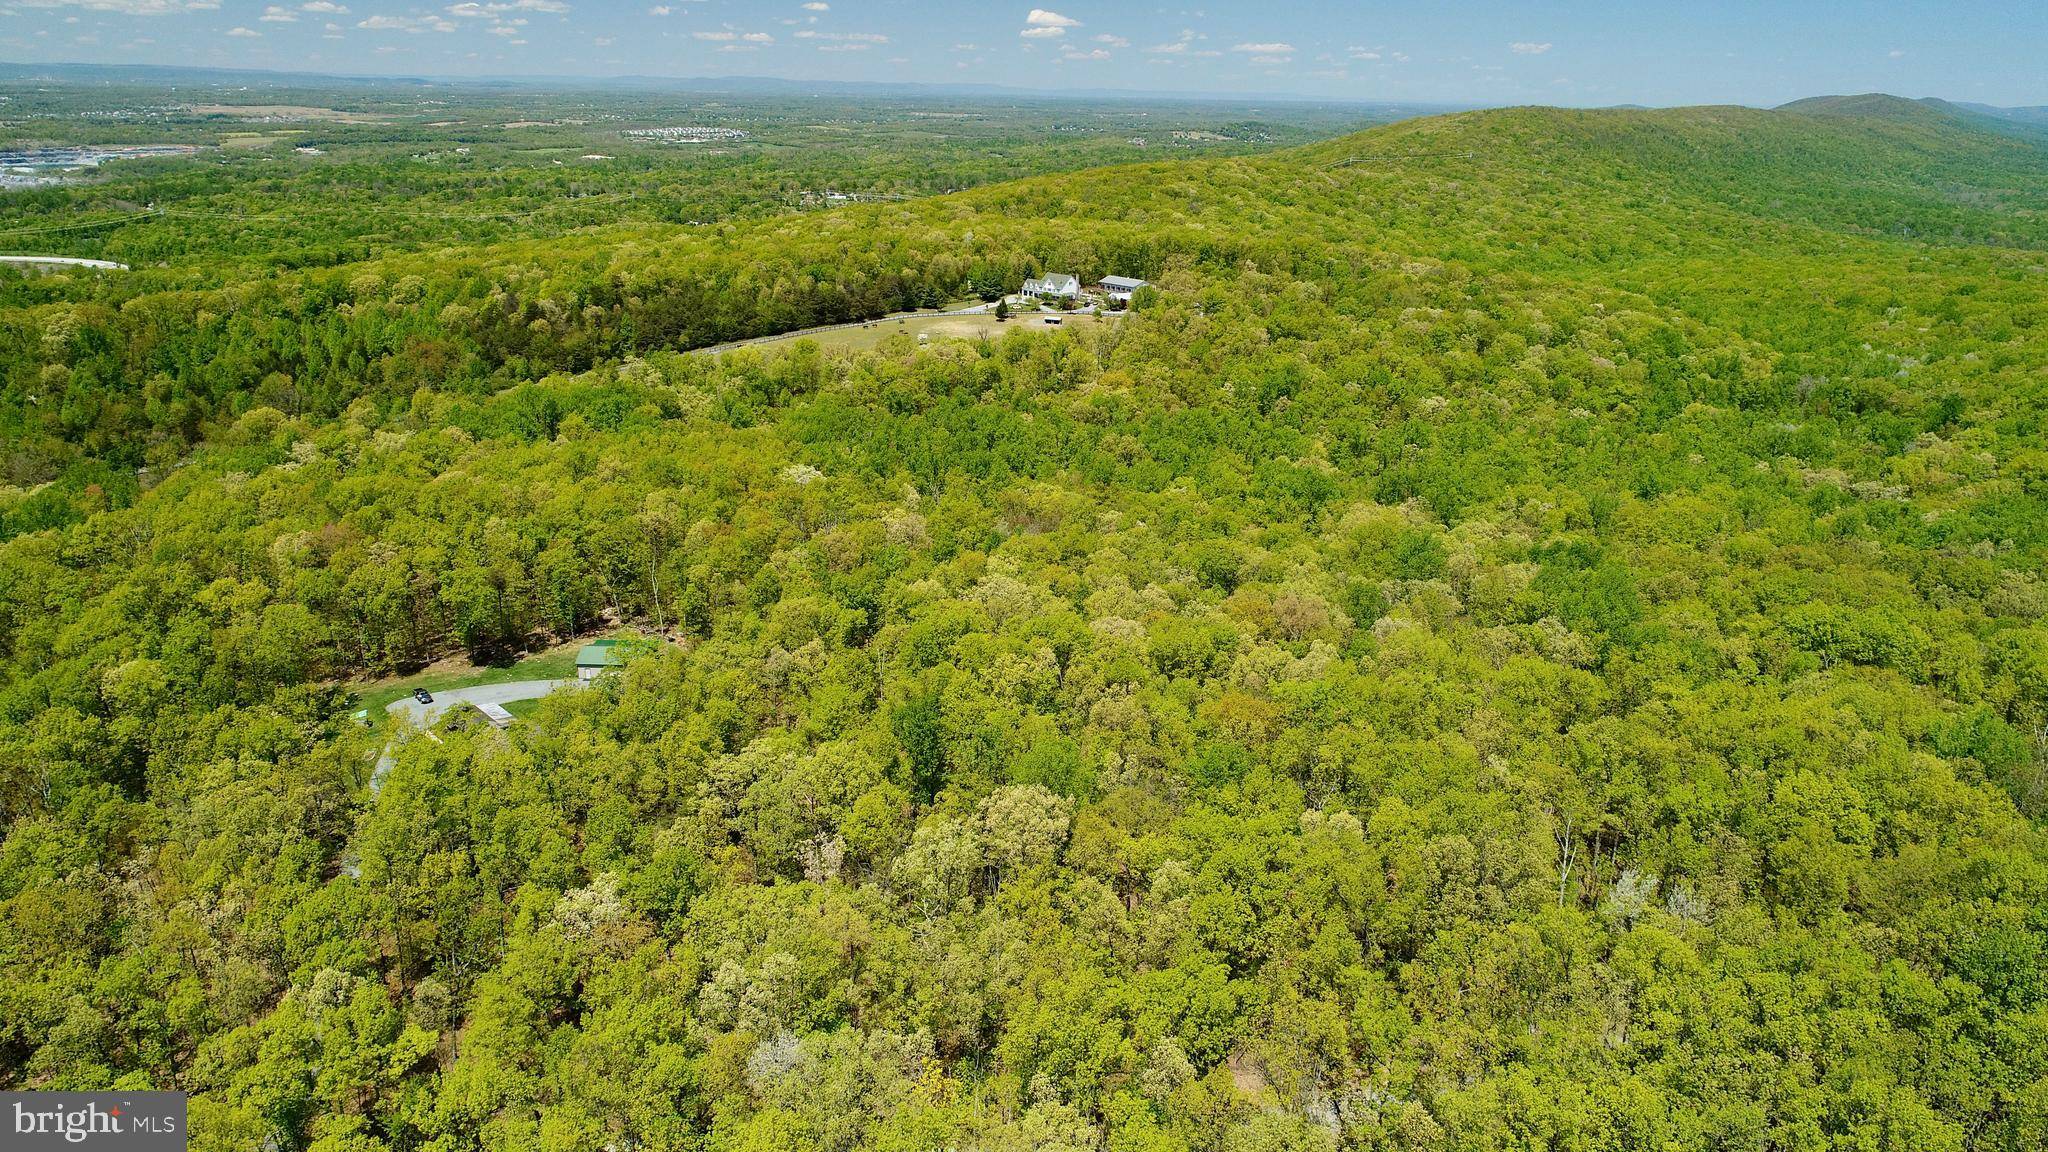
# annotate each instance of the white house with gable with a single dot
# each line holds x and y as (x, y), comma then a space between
(1053, 284)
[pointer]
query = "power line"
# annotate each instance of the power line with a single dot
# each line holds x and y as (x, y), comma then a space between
(28, 229)
(508, 214)
(1407, 156)
(290, 217)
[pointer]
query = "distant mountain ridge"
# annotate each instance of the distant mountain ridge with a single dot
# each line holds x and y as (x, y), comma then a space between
(2033, 115)
(1862, 104)
(2030, 122)
(1873, 104)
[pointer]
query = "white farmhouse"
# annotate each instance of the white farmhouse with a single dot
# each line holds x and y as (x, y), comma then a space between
(1053, 284)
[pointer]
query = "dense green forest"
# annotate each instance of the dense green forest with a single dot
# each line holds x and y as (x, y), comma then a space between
(1534, 636)
(292, 176)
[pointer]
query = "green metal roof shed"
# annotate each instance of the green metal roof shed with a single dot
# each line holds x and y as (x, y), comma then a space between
(595, 657)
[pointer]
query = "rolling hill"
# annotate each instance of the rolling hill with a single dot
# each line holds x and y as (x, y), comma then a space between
(2026, 121)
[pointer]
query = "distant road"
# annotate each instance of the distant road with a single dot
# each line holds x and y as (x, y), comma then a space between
(75, 261)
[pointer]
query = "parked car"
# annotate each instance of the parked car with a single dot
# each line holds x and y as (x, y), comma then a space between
(423, 696)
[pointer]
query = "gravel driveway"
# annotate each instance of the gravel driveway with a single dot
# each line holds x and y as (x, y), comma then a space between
(424, 714)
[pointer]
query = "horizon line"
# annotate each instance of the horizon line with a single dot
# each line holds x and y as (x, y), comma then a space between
(904, 86)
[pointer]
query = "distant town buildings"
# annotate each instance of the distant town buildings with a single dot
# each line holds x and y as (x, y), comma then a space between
(36, 167)
(683, 135)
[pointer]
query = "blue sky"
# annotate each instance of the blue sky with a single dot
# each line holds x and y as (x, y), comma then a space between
(1649, 52)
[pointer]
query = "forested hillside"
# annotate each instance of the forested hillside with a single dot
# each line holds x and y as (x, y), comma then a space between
(1531, 638)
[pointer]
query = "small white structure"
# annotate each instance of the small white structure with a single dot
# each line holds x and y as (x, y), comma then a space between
(498, 717)
(1121, 287)
(1053, 284)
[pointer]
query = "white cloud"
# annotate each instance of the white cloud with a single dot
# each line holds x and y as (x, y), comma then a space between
(1527, 48)
(660, 10)
(1091, 54)
(1269, 48)
(817, 6)
(1897, 52)
(245, 33)
(276, 15)
(758, 38)
(497, 9)
(1271, 61)
(1040, 18)
(1042, 33)
(855, 37)
(1177, 45)
(325, 7)
(413, 24)
(127, 7)
(715, 35)
(1113, 40)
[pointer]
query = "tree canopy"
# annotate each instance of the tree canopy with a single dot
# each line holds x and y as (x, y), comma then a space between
(1532, 637)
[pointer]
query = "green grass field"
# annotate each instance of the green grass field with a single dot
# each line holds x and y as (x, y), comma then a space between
(870, 337)
(523, 709)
